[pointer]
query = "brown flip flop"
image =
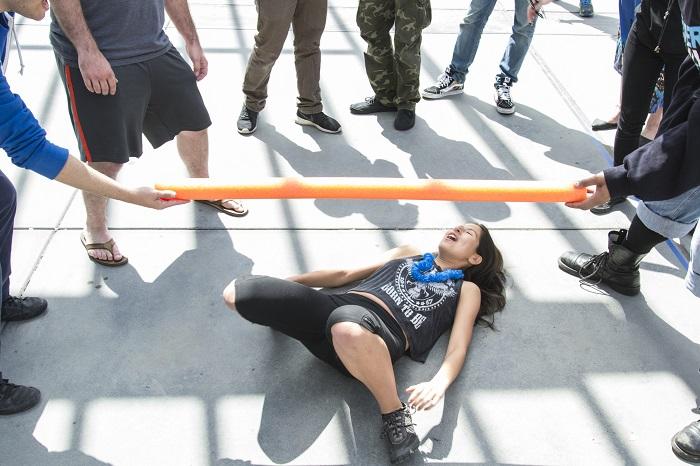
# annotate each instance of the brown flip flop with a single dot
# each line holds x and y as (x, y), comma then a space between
(219, 205)
(109, 246)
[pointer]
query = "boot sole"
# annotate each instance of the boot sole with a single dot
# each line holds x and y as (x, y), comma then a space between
(365, 112)
(302, 122)
(405, 457)
(431, 96)
(247, 131)
(627, 291)
(682, 454)
(505, 111)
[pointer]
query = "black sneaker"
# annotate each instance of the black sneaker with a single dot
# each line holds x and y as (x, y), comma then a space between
(247, 121)
(445, 85)
(504, 103)
(607, 207)
(398, 429)
(405, 119)
(14, 309)
(370, 105)
(17, 398)
(320, 121)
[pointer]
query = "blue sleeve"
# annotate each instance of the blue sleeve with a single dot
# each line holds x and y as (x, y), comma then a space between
(24, 140)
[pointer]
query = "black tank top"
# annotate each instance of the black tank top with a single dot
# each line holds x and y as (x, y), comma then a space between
(424, 310)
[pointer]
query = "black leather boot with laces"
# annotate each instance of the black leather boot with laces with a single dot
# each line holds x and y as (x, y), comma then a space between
(618, 267)
(399, 431)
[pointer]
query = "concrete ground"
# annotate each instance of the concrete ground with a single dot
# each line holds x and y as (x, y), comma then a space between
(143, 365)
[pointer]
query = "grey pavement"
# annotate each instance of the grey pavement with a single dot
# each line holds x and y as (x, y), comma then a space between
(143, 365)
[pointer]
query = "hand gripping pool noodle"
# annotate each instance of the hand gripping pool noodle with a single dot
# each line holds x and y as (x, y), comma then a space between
(376, 188)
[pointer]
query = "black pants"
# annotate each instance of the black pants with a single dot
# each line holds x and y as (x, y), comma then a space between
(641, 67)
(307, 315)
(8, 206)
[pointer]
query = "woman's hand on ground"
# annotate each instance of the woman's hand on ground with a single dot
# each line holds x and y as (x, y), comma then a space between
(425, 395)
(597, 192)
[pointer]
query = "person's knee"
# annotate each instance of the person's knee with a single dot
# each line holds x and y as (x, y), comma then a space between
(348, 335)
(230, 295)
(110, 169)
(193, 134)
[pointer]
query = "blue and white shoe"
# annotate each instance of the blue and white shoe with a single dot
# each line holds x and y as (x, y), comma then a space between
(585, 8)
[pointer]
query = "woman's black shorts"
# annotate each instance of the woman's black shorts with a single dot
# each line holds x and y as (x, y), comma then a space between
(307, 315)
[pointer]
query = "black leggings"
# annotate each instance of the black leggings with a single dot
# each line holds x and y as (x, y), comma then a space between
(641, 67)
(307, 315)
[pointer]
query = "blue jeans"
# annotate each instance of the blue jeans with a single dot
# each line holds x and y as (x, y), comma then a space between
(470, 34)
(675, 218)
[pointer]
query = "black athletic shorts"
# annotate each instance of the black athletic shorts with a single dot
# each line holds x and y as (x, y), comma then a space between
(158, 98)
(307, 315)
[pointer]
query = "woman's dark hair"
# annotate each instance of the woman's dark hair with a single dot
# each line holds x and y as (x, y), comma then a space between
(490, 277)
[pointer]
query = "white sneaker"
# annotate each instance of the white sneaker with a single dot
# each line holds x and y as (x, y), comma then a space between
(445, 85)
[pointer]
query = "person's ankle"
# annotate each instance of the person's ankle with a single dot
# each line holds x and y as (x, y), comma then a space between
(392, 408)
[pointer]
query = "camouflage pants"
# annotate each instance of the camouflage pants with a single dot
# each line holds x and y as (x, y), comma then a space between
(393, 69)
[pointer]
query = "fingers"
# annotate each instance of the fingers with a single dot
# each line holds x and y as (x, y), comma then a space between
(112, 83)
(590, 181)
(165, 203)
(165, 194)
(423, 397)
(203, 69)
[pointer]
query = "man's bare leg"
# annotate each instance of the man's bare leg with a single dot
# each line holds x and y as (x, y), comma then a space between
(193, 147)
(96, 230)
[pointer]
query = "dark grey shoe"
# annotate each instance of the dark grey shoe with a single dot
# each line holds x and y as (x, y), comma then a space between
(17, 398)
(686, 443)
(405, 119)
(399, 431)
(618, 267)
(369, 106)
(15, 309)
(607, 207)
(320, 121)
(247, 121)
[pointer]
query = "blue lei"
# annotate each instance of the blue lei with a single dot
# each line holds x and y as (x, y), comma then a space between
(419, 271)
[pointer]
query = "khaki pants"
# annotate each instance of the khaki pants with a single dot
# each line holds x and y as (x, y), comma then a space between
(308, 19)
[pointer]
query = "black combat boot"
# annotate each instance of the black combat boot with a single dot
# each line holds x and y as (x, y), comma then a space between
(618, 267)
(399, 432)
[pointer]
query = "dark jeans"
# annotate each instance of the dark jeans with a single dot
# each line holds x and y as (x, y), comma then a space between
(8, 206)
(307, 315)
(641, 67)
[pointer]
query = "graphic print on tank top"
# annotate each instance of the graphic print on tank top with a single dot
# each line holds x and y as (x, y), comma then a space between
(417, 300)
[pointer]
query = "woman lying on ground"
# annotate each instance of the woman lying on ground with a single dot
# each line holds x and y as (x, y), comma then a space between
(403, 304)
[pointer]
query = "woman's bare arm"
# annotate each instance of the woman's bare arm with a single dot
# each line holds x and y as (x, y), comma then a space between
(427, 394)
(339, 277)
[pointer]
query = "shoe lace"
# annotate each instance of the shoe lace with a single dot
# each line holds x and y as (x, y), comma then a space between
(503, 91)
(244, 114)
(370, 100)
(596, 263)
(444, 80)
(396, 423)
(5, 384)
(12, 300)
